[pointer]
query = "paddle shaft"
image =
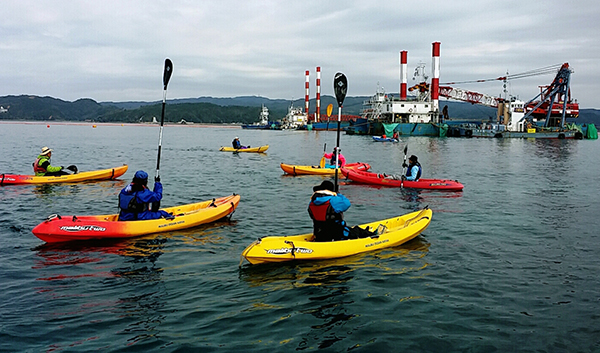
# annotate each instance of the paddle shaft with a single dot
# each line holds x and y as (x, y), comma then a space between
(403, 166)
(166, 77)
(337, 149)
(340, 86)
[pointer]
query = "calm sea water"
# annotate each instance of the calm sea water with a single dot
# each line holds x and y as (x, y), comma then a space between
(510, 264)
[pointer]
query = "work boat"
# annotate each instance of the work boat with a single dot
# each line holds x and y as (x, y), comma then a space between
(294, 119)
(263, 121)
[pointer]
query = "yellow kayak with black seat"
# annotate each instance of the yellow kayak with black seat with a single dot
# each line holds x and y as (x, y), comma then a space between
(389, 233)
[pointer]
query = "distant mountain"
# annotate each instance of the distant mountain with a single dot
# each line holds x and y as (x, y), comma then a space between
(243, 109)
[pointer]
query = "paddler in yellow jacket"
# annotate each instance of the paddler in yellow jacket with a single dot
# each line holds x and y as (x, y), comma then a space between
(42, 167)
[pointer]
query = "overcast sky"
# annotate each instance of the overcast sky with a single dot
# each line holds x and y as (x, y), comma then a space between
(115, 50)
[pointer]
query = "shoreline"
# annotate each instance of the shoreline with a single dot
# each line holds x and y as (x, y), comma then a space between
(93, 124)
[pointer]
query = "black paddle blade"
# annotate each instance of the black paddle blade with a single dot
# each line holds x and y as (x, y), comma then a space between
(340, 86)
(168, 72)
(405, 149)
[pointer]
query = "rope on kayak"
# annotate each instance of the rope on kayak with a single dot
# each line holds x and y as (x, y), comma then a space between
(53, 216)
(407, 223)
(293, 248)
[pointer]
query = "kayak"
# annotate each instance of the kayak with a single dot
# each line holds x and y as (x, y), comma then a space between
(317, 170)
(103, 174)
(395, 231)
(384, 139)
(380, 179)
(68, 228)
(259, 149)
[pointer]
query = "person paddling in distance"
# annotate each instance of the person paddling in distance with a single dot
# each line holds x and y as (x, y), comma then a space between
(42, 166)
(135, 199)
(237, 144)
(331, 157)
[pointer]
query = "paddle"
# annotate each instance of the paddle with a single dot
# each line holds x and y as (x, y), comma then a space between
(166, 77)
(340, 86)
(322, 163)
(403, 166)
(329, 110)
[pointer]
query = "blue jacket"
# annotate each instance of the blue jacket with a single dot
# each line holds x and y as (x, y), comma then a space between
(143, 198)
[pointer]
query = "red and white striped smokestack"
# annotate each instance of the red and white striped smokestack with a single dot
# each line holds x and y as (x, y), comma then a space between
(306, 95)
(403, 67)
(435, 81)
(318, 111)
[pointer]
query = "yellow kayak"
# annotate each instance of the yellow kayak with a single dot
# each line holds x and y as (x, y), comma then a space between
(103, 174)
(318, 170)
(395, 231)
(259, 149)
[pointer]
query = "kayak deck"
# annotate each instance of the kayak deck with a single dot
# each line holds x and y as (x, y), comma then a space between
(67, 228)
(396, 231)
(95, 175)
(317, 170)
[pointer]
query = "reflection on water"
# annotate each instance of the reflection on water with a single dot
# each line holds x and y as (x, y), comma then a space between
(121, 280)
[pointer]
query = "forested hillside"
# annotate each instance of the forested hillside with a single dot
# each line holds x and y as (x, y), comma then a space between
(242, 110)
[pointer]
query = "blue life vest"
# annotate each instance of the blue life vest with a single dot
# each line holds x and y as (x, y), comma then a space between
(409, 171)
(128, 203)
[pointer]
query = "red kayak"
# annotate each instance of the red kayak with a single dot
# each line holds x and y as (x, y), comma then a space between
(380, 179)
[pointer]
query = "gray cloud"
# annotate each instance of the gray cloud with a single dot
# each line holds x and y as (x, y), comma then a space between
(114, 50)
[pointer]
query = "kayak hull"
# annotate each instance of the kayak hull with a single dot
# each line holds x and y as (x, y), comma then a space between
(70, 228)
(259, 149)
(384, 139)
(95, 175)
(316, 170)
(302, 247)
(381, 180)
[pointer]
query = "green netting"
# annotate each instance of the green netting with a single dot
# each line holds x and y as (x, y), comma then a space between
(592, 133)
(388, 129)
(443, 130)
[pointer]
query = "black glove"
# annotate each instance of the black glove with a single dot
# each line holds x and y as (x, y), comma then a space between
(73, 168)
(157, 179)
(404, 165)
(403, 177)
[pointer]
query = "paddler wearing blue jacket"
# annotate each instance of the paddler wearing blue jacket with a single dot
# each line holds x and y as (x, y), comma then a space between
(326, 208)
(135, 199)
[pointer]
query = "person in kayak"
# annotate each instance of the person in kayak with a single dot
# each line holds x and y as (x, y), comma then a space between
(413, 170)
(326, 209)
(237, 144)
(135, 199)
(331, 157)
(42, 166)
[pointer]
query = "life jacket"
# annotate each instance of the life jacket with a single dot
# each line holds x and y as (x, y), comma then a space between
(37, 168)
(128, 203)
(236, 144)
(409, 171)
(328, 225)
